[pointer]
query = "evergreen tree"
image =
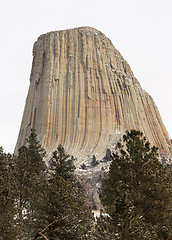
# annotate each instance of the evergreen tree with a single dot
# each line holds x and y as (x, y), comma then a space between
(35, 153)
(7, 204)
(37, 202)
(62, 164)
(21, 183)
(29, 183)
(136, 191)
(64, 201)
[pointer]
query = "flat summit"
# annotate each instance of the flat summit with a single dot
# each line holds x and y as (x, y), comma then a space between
(83, 95)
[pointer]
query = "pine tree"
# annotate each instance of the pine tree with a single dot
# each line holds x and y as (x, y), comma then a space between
(35, 153)
(21, 183)
(136, 191)
(29, 182)
(7, 204)
(62, 164)
(64, 201)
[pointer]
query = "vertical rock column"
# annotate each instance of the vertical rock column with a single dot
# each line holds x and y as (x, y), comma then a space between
(84, 95)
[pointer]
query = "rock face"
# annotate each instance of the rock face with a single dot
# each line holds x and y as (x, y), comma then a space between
(84, 95)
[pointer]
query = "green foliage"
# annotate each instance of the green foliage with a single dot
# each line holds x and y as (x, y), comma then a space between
(7, 209)
(136, 191)
(61, 164)
(35, 153)
(35, 200)
(29, 181)
(64, 201)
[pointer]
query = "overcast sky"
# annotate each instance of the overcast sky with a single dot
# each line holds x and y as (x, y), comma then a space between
(140, 29)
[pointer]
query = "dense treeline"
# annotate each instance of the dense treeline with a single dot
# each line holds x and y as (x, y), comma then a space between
(45, 200)
(136, 193)
(40, 202)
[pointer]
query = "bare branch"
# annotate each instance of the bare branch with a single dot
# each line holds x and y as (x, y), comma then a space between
(41, 233)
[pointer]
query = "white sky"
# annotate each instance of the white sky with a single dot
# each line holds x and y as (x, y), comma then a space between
(140, 29)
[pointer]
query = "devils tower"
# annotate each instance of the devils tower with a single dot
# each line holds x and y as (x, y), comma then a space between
(84, 96)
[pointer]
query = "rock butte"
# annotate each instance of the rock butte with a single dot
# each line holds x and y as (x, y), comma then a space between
(84, 95)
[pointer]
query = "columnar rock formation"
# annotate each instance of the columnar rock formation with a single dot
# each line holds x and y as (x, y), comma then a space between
(84, 95)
